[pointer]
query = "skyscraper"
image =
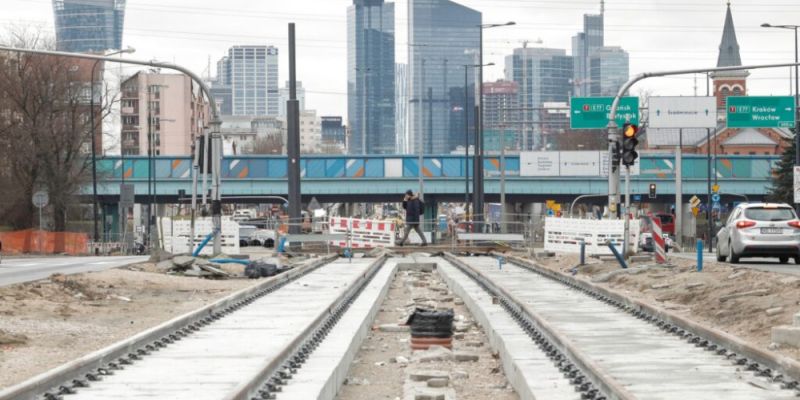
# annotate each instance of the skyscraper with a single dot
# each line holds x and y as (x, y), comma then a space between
(584, 45)
(501, 113)
(543, 75)
(251, 72)
(401, 109)
(89, 25)
(608, 71)
(301, 98)
(371, 77)
(443, 37)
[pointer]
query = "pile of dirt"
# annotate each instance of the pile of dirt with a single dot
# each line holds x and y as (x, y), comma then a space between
(743, 302)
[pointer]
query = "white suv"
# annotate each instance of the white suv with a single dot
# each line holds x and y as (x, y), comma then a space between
(760, 230)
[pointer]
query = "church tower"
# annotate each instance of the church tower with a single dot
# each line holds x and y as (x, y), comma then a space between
(729, 83)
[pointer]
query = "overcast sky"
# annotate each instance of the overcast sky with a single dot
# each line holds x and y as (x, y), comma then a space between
(658, 34)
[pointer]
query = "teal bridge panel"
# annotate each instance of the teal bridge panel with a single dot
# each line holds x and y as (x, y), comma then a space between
(444, 175)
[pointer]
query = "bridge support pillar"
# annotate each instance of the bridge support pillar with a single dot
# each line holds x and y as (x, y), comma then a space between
(110, 222)
(430, 217)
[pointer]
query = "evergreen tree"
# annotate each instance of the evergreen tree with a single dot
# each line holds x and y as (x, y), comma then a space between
(782, 190)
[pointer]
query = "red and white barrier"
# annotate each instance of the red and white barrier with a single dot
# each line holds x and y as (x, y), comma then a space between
(363, 233)
(658, 240)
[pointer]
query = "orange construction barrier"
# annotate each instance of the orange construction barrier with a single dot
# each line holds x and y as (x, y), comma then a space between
(36, 241)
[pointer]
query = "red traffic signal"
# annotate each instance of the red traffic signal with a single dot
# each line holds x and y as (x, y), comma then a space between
(629, 142)
(630, 131)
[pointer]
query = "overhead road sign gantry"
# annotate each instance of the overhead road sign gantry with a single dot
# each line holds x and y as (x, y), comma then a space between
(761, 112)
(594, 112)
(682, 112)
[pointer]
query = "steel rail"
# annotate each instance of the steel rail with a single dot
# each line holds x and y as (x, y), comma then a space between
(761, 362)
(607, 385)
(75, 374)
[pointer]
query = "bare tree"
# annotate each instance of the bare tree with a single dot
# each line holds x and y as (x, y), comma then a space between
(272, 144)
(45, 129)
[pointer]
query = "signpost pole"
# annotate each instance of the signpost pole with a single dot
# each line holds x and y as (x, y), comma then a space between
(613, 144)
(41, 231)
(710, 241)
(626, 215)
(679, 190)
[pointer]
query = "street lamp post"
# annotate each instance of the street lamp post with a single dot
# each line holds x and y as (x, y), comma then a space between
(477, 181)
(92, 128)
(796, 88)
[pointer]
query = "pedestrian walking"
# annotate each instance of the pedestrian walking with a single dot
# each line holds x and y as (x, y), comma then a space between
(413, 206)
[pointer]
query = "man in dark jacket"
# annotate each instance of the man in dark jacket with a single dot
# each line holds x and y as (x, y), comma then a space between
(414, 208)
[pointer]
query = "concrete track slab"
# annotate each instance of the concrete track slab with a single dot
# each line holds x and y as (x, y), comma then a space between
(213, 361)
(648, 362)
(323, 373)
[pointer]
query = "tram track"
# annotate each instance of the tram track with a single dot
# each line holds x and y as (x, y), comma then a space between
(624, 349)
(195, 356)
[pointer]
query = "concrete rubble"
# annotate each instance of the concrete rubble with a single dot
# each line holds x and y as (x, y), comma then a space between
(197, 267)
(436, 373)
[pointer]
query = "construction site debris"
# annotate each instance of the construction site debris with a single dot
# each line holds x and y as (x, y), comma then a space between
(757, 292)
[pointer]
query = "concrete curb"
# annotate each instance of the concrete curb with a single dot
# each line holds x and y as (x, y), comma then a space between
(251, 385)
(339, 373)
(787, 366)
(76, 369)
(512, 370)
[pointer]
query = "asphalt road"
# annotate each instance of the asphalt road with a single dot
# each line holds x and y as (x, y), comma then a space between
(763, 264)
(19, 270)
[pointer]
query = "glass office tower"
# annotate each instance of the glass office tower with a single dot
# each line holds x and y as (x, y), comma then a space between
(443, 37)
(251, 74)
(544, 76)
(371, 77)
(608, 70)
(89, 25)
(584, 44)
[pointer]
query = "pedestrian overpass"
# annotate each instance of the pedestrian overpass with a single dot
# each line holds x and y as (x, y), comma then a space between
(348, 178)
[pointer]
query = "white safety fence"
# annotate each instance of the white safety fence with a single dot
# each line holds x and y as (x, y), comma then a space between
(363, 233)
(566, 234)
(176, 235)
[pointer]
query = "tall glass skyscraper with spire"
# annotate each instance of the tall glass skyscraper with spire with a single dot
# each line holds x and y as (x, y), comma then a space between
(371, 77)
(89, 25)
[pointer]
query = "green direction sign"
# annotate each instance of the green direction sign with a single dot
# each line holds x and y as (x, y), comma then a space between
(761, 112)
(594, 112)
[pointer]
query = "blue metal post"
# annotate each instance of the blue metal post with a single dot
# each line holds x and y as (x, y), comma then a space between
(699, 255)
(583, 253)
(617, 255)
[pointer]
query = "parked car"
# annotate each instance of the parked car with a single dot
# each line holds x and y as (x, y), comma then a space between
(246, 233)
(760, 230)
(647, 244)
(667, 223)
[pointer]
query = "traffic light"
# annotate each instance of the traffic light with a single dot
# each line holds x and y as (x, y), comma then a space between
(629, 142)
(205, 168)
(616, 157)
(652, 190)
